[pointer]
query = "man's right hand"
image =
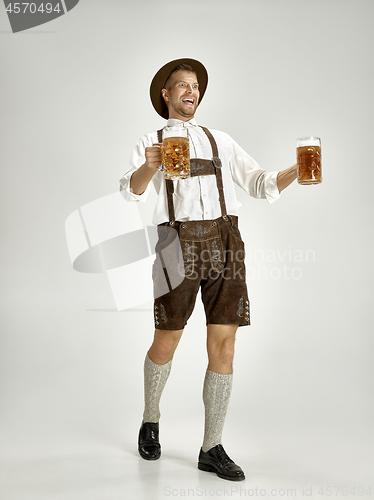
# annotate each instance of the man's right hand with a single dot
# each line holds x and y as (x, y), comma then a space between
(141, 177)
(153, 156)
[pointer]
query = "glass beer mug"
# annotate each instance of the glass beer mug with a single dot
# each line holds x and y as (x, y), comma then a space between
(309, 164)
(176, 153)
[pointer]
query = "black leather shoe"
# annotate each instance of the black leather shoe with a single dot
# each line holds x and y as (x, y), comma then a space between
(148, 444)
(216, 460)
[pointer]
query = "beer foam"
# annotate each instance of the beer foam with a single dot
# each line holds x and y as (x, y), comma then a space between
(308, 141)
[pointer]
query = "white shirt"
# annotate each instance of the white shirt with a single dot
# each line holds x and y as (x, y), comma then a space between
(196, 198)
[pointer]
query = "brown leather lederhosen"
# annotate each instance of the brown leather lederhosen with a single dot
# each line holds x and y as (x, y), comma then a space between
(219, 244)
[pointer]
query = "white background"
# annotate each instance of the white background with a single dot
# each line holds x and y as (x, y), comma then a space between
(74, 101)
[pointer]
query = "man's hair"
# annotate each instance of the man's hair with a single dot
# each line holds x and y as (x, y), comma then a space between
(181, 67)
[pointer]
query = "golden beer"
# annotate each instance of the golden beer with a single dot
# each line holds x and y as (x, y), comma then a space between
(309, 160)
(176, 157)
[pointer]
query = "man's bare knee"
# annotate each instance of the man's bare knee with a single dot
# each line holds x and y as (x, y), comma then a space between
(164, 344)
(222, 350)
(221, 347)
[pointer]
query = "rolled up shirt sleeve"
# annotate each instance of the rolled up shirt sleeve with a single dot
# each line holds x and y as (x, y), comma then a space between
(247, 173)
(126, 190)
(137, 159)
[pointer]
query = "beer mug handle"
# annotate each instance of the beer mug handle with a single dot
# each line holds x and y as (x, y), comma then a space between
(161, 168)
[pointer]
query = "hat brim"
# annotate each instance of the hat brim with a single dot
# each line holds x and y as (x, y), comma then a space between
(160, 78)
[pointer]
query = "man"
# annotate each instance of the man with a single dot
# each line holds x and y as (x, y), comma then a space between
(203, 210)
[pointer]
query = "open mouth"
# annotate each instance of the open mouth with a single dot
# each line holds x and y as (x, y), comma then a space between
(188, 101)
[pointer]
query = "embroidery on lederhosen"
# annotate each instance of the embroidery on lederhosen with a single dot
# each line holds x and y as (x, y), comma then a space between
(247, 311)
(155, 312)
(163, 313)
(199, 230)
(208, 235)
(241, 312)
(200, 166)
(186, 269)
(216, 257)
(160, 314)
(197, 167)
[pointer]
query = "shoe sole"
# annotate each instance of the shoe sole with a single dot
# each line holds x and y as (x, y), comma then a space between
(147, 457)
(208, 468)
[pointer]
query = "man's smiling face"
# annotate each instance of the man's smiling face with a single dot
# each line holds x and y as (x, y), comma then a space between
(182, 95)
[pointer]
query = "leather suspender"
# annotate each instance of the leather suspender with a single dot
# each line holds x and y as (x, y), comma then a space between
(218, 168)
(169, 188)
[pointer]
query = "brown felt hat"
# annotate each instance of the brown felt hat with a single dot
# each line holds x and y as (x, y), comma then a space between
(161, 76)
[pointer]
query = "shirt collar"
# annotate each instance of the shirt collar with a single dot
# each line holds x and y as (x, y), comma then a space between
(172, 122)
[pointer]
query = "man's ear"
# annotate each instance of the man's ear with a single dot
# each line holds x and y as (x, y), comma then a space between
(164, 94)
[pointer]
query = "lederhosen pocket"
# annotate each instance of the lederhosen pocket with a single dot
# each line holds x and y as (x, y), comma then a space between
(203, 237)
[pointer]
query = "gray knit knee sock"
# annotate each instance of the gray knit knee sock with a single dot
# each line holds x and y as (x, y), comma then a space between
(216, 396)
(155, 377)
